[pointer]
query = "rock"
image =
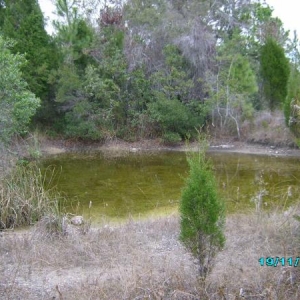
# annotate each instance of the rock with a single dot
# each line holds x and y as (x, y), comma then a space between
(227, 146)
(77, 220)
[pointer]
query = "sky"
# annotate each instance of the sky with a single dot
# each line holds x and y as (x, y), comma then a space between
(48, 8)
(286, 10)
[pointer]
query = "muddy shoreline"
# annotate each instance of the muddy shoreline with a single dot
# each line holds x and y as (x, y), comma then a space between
(54, 147)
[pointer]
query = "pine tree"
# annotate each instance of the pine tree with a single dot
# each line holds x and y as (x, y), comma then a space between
(275, 72)
(201, 212)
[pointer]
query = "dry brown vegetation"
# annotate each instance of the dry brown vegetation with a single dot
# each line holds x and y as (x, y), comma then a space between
(265, 128)
(250, 237)
(144, 260)
(268, 128)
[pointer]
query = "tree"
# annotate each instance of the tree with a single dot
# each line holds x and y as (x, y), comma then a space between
(74, 35)
(275, 72)
(233, 86)
(17, 103)
(2, 10)
(176, 113)
(201, 212)
(292, 101)
(23, 21)
(73, 38)
(93, 99)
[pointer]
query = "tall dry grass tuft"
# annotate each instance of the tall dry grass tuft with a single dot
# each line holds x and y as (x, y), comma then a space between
(25, 196)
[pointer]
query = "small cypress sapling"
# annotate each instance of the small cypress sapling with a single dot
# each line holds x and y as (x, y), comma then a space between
(202, 212)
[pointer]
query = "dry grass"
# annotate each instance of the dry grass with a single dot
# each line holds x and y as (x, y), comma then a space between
(136, 260)
(144, 260)
(250, 237)
(25, 197)
(268, 128)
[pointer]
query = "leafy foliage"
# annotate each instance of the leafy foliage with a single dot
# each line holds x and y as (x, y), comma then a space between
(172, 116)
(201, 212)
(24, 23)
(171, 107)
(17, 103)
(150, 68)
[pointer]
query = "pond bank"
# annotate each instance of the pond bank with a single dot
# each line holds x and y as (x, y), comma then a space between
(53, 147)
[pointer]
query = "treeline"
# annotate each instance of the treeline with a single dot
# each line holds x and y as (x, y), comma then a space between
(142, 69)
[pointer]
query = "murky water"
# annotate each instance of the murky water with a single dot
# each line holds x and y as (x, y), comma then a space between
(140, 183)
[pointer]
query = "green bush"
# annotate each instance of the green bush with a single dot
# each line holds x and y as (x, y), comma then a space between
(17, 103)
(173, 116)
(171, 138)
(291, 104)
(202, 212)
(83, 129)
(87, 121)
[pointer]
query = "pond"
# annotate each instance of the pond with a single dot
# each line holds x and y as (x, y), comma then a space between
(138, 184)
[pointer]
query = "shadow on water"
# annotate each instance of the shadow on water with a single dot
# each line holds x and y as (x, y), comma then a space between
(138, 183)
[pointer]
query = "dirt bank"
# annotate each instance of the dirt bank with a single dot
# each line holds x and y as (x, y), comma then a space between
(52, 147)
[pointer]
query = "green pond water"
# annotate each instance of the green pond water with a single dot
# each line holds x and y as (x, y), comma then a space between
(139, 184)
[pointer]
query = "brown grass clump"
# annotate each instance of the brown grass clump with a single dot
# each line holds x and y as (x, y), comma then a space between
(144, 260)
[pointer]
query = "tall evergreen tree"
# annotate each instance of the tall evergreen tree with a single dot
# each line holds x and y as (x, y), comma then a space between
(275, 72)
(202, 212)
(23, 21)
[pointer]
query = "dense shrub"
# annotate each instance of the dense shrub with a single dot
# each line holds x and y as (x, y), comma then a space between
(173, 117)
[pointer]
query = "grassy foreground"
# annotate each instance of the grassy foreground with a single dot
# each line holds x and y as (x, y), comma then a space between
(144, 260)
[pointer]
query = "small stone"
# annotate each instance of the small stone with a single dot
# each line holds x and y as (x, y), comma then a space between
(77, 220)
